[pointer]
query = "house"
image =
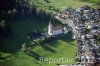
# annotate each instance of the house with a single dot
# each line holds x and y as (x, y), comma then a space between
(55, 30)
(74, 37)
(78, 9)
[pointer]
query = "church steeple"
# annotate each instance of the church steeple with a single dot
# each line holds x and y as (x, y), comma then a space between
(50, 28)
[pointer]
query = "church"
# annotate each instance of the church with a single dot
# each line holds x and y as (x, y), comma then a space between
(56, 30)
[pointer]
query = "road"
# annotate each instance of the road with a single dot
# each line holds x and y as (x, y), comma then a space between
(71, 24)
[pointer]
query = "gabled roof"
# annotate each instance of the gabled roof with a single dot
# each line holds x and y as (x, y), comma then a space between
(54, 28)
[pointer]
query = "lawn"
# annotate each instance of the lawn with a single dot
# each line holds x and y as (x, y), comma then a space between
(70, 3)
(57, 48)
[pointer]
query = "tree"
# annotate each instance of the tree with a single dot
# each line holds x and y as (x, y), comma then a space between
(47, 1)
(4, 29)
(83, 0)
(29, 49)
(24, 47)
(1, 57)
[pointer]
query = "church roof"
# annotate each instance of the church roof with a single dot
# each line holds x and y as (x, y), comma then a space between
(55, 28)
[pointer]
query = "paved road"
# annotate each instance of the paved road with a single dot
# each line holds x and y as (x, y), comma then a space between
(71, 24)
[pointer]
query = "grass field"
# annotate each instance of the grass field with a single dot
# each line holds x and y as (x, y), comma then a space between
(71, 3)
(57, 48)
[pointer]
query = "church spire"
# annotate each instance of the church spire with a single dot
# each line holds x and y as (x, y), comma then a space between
(50, 28)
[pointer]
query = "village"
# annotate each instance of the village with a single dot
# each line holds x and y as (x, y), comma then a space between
(85, 24)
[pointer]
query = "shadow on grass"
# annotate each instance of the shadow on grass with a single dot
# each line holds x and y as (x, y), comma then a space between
(2, 58)
(9, 56)
(66, 38)
(19, 34)
(54, 43)
(33, 54)
(38, 63)
(47, 48)
(73, 44)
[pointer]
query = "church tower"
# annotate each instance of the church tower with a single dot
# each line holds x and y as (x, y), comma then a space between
(50, 28)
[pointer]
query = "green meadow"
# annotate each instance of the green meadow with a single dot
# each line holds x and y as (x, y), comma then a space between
(59, 47)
